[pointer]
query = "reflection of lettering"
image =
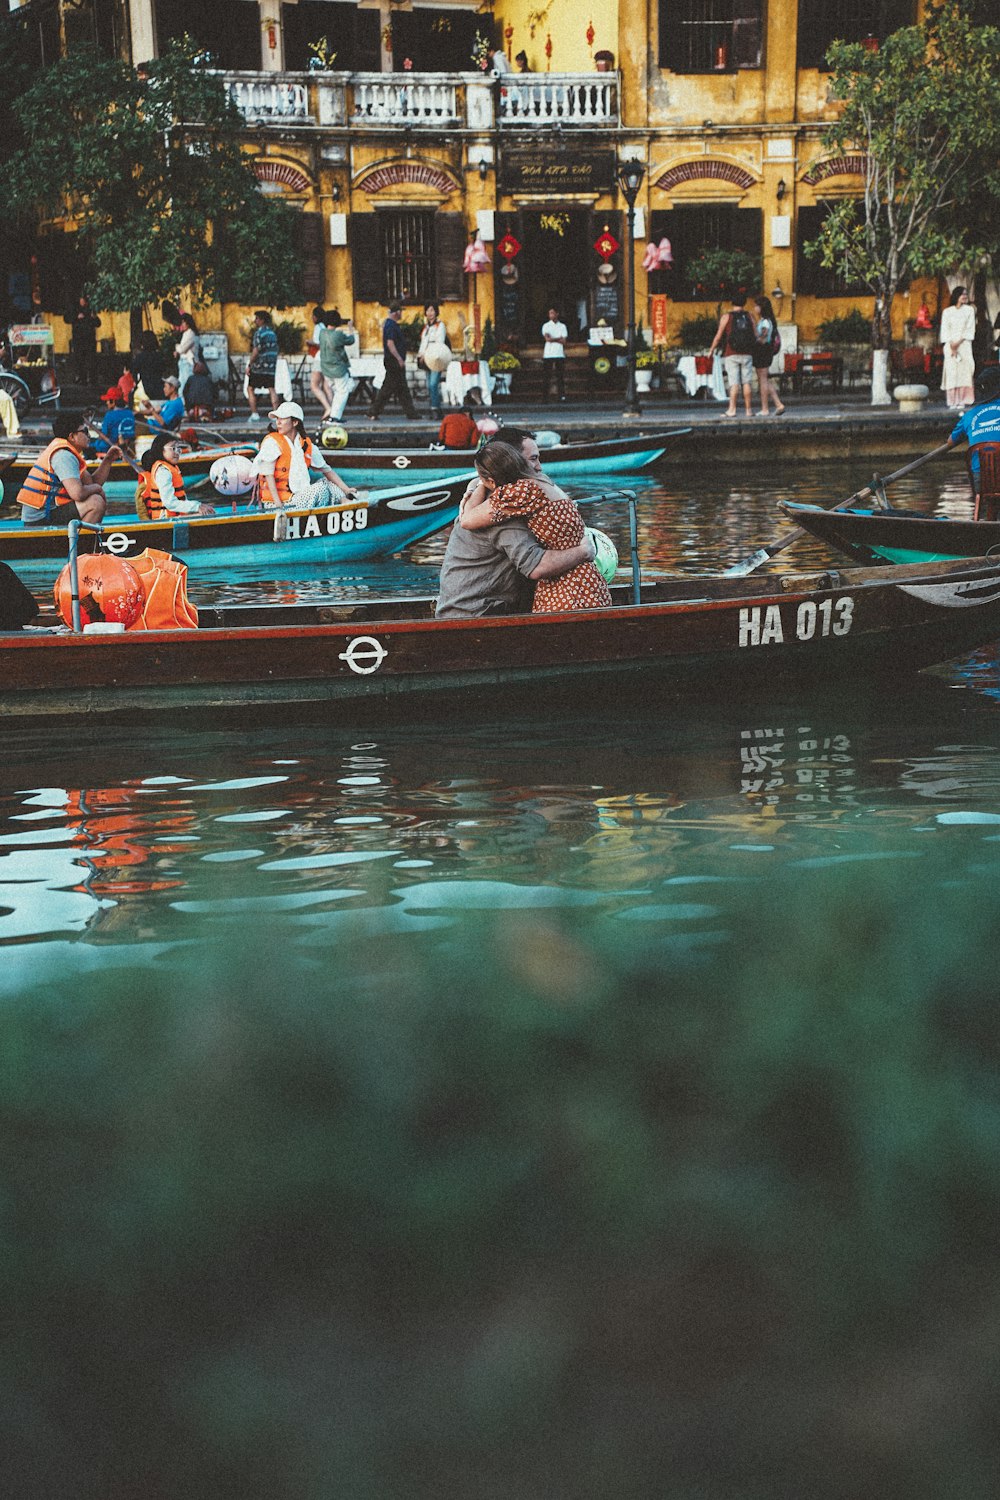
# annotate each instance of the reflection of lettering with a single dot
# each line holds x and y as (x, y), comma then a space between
(762, 626)
(364, 655)
(774, 761)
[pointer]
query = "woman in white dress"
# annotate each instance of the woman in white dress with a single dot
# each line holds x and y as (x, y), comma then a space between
(433, 342)
(958, 329)
(188, 350)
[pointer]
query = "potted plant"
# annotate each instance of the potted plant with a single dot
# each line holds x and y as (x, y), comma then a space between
(502, 366)
(646, 361)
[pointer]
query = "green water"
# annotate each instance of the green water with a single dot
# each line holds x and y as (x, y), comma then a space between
(578, 1109)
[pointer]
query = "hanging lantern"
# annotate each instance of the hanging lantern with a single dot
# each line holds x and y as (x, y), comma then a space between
(548, 50)
(508, 246)
(508, 34)
(476, 258)
(665, 252)
(591, 33)
(606, 244)
(651, 259)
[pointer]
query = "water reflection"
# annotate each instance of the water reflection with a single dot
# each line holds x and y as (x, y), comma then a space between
(417, 825)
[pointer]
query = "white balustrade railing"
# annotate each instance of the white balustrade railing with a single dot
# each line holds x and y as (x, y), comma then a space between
(270, 98)
(401, 99)
(543, 99)
(373, 100)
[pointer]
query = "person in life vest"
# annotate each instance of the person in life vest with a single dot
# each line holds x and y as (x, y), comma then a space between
(59, 487)
(284, 461)
(980, 428)
(163, 484)
(459, 428)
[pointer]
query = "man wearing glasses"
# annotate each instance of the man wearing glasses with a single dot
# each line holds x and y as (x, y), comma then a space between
(59, 487)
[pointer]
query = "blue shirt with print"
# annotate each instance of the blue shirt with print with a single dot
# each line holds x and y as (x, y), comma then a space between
(980, 424)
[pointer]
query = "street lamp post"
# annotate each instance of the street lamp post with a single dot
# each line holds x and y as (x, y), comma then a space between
(630, 175)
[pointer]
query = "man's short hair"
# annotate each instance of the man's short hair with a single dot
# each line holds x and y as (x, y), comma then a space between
(395, 307)
(739, 299)
(988, 383)
(64, 422)
(513, 436)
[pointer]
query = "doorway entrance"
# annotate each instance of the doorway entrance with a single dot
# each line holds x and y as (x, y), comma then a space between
(555, 266)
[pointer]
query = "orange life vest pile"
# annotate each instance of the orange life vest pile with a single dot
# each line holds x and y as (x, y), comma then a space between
(148, 592)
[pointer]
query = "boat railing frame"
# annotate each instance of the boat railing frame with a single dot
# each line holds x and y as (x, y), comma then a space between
(74, 529)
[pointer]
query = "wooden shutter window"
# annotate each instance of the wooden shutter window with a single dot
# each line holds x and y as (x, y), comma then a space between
(310, 238)
(748, 33)
(366, 258)
(449, 244)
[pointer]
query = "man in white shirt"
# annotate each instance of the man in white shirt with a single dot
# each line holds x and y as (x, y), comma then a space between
(555, 333)
(499, 63)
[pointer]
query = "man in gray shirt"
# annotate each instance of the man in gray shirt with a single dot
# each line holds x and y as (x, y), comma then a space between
(486, 572)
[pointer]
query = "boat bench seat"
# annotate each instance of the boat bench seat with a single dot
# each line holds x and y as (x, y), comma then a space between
(793, 583)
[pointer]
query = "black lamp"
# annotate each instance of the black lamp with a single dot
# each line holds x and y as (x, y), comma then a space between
(630, 176)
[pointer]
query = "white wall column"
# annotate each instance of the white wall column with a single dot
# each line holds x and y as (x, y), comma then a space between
(142, 30)
(272, 57)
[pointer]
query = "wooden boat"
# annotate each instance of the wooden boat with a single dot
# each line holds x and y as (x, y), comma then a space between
(382, 524)
(621, 455)
(895, 536)
(361, 659)
(194, 467)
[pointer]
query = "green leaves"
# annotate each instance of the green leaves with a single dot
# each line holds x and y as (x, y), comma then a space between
(146, 167)
(922, 110)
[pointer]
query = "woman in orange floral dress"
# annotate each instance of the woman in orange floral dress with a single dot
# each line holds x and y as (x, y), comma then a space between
(513, 490)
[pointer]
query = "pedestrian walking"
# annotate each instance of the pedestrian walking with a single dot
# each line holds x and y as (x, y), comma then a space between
(736, 335)
(394, 355)
(261, 371)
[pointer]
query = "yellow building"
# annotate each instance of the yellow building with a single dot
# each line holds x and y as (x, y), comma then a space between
(377, 122)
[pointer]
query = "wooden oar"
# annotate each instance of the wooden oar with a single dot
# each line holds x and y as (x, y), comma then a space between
(764, 554)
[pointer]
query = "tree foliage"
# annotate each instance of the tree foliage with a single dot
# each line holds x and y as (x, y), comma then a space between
(719, 273)
(922, 112)
(147, 166)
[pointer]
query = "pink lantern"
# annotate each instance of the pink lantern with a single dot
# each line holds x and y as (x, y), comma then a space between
(478, 258)
(665, 254)
(651, 259)
(467, 265)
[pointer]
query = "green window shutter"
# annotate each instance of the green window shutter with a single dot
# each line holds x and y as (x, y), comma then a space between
(366, 258)
(449, 246)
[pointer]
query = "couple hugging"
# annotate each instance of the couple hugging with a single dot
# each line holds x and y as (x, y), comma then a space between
(516, 528)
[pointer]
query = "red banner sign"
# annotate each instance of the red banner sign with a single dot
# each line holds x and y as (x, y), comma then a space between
(658, 317)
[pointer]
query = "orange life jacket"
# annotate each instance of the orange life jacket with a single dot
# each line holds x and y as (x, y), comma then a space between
(43, 489)
(151, 495)
(283, 466)
(164, 583)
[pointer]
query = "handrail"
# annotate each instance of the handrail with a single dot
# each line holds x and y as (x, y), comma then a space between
(74, 529)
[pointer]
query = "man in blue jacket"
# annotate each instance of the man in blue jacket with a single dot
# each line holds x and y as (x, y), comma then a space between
(980, 426)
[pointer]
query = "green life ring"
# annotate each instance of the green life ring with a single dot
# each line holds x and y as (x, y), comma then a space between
(602, 365)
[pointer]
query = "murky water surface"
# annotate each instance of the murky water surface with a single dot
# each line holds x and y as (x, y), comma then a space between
(560, 1110)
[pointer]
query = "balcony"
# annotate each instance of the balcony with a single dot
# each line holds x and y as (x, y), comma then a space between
(426, 101)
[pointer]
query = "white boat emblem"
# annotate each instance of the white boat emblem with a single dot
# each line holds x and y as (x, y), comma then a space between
(401, 461)
(364, 655)
(118, 541)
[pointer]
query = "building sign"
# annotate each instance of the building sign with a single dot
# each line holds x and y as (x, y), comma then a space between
(569, 172)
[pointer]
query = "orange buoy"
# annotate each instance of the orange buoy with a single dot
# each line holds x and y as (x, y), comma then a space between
(110, 589)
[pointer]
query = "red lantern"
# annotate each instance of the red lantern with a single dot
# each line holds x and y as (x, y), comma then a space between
(508, 246)
(109, 590)
(548, 50)
(591, 33)
(606, 244)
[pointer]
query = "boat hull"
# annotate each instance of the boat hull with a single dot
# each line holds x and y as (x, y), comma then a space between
(878, 536)
(381, 466)
(390, 521)
(693, 636)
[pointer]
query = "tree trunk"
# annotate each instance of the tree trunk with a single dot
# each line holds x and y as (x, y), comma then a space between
(881, 340)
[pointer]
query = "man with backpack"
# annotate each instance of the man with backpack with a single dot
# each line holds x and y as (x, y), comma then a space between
(738, 337)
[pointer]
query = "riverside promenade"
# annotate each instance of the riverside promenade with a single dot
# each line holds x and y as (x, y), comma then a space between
(812, 428)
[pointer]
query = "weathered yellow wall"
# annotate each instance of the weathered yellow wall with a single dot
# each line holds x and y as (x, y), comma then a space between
(566, 23)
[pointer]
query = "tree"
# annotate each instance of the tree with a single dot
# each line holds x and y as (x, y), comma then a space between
(147, 166)
(721, 274)
(921, 111)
